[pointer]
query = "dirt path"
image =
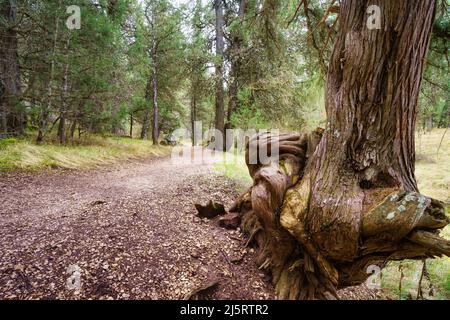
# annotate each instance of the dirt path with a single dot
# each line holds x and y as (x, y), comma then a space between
(128, 232)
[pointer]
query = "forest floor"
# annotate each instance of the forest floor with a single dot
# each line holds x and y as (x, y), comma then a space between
(128, 231)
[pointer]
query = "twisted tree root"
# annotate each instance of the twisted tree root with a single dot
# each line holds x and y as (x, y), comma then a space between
(275, 212)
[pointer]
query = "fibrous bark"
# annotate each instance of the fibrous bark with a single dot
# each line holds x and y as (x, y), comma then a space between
(275, 213)
(341, 199)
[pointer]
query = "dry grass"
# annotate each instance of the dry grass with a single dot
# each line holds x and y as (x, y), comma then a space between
(24, 155)
(432, 168)
(433, 177)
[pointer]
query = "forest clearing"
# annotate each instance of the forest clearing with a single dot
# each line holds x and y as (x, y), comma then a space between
(224, 150)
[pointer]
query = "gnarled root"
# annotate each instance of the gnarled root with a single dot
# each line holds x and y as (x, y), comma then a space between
(275, 213)
(296, 269)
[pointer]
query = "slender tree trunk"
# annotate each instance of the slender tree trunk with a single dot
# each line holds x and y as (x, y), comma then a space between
(356, 202)
(429, 123)
(220, 44)
(12, 120)
(146, 121)
(73, 126)
(131, 125)
(46, 109)
(116, 125)
(198, 65)
(235, 57)
(3, 120)
(193, 112)
(155, 123)
(63, 110)
(152, 88)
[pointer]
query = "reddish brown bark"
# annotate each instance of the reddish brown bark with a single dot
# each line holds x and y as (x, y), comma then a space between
(356, 202)
(371, 102)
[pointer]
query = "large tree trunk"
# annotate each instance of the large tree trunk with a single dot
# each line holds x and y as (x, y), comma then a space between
(11, 119)
(220, 44)
(351, 196)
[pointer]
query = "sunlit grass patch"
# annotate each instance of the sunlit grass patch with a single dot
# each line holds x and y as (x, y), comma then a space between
(432, 165)
(438, 281)
(233, 166)
(95, 151)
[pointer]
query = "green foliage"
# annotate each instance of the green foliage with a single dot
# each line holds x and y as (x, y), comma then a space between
(275, 54)
(6, 142)
(434, 102)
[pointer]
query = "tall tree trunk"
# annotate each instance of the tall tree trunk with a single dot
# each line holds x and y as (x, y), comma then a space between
(146, 121)
(64, 96)
(429, 123)
(11, 119)
(193, 112)
(46, 109)
(234, 80)
(116, 123)
(152, 88)
(131, 125)
(197, 69)
(73, 126)
(220, 44)
(355, 203)
(155, 123)
(116, 126)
